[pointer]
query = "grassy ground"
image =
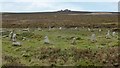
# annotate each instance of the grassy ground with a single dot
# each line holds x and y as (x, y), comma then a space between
(34, 52)
(35, 20)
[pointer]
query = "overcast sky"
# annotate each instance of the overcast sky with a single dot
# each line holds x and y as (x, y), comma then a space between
(52, 5)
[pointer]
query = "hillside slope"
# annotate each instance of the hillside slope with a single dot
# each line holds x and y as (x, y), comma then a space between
(60, 18)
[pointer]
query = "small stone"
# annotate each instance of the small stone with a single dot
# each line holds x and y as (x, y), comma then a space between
(27, 29)
(25, 55)
(100, 30)
(16, 44)
(39, 29)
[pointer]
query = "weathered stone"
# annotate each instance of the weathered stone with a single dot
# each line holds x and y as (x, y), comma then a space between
(93, 38)
(46, 40)
(16, 44)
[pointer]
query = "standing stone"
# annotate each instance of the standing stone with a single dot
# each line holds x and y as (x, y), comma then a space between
(113, 33)
(75, 28)
(46, 40)
(89, 29)
(10, 35)
(108, 34)
(14, 37)
(60, 28)
(93, 38)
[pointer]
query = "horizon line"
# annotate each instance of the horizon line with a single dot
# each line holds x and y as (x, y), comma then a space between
(51, 11)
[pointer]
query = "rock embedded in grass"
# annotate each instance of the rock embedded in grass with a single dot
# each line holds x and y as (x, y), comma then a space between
(26, 30)
(25, 55)
(24, 38)
(60, 28)
(39, 29)
(100, 30)
(16, 43)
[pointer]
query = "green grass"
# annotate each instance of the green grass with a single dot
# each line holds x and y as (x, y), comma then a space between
(32, 47)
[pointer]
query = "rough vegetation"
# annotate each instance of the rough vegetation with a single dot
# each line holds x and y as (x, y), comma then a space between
(61, 52)
(57, 19)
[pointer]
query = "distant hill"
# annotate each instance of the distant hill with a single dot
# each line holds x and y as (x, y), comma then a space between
(67, 11)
